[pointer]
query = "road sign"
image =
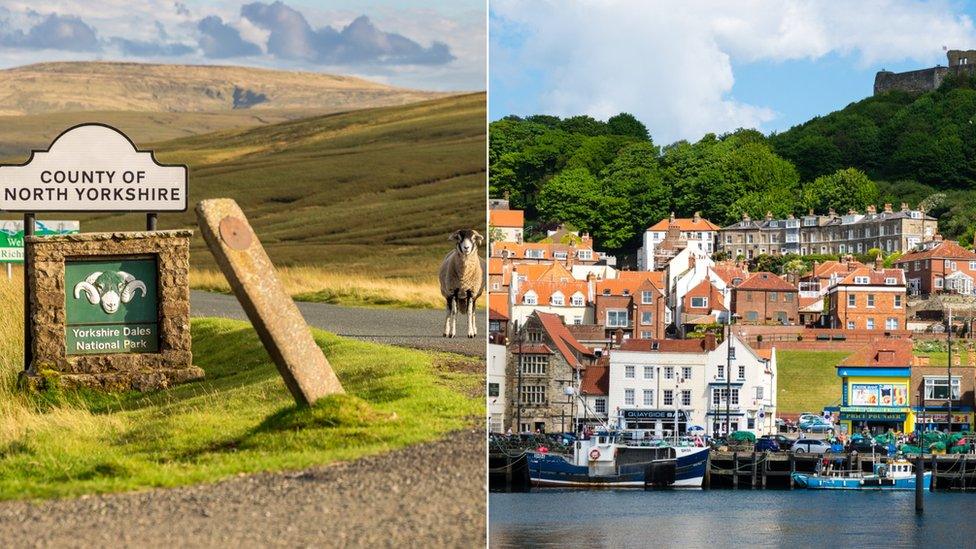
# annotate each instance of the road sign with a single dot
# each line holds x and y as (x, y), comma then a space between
(111, 306)
(93, 168)
(12, 236)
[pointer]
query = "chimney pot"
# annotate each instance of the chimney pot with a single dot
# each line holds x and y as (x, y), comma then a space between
(904, 206)
(619, 336)
(887, 207)
(769, 216)
(697, 217)
(871, 209)
(832, 212)
(672, 217)
(810, 212)
(709, 342)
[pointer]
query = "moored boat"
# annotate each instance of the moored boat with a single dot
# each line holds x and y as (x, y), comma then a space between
(898, 474)
(606, 460)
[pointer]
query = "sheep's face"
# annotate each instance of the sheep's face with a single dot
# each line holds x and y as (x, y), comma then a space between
(109, 289)
(466, 240)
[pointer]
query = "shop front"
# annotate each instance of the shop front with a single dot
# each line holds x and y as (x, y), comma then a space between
(933, 418)
(875, 399)
(874, 419)
(657, 423)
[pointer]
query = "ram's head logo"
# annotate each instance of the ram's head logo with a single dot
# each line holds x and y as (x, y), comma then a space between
(109, 289)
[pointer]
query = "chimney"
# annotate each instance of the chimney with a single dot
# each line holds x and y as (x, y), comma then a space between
(585, 237)
(790, 216)
(852, 211)
(887, 207)
(816, 264)
(904, 206)
(697, 217)
(618, 336)
(871, 209)
(850, 263)
(591, 288)
(769, 216)
(709, 342)
(878, 263)
(937, 237)
(810, 212)
(745, 216)
(671, 219)
(832, 212)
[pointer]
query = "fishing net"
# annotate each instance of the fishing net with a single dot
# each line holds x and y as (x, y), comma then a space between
(910, 449)
(937, 447)
(964, 449)
(742, 436)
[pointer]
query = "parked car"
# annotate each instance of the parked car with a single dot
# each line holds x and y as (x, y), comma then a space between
(767, 443)
(810, 446)
(816, 425)
(784, 441)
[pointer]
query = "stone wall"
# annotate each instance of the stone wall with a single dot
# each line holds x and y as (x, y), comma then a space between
(45, 261)
(919, 81)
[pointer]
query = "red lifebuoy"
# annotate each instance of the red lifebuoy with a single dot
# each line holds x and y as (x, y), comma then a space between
(594, 454)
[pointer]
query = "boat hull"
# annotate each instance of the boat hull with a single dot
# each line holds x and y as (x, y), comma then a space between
(548, 470)
(817, 482)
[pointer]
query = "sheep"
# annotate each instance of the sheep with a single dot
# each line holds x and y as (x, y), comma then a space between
(462, 279)
(108, 289)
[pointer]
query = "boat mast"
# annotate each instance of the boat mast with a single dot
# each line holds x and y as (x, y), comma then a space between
(949, 370)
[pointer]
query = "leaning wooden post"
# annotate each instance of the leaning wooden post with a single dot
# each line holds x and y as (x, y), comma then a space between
(275, 316)
(28, 332)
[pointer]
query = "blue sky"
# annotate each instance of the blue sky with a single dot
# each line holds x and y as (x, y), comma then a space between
(687, 68)
(427, 44)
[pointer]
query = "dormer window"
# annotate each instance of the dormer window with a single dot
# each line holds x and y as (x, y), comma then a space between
(530, 298)
(585, 254)
(860, 280)
(559, 255)
(558, 300)
(577, 300)
(626, 292)
(891, 281)
(606, 291)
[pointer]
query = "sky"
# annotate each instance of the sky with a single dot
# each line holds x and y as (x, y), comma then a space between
(693, 67)
(425, 44)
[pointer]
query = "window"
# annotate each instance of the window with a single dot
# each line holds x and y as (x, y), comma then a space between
(742, 372)
(533, 364)
(699, 302)
(972, 265)
(735, 396)
(916, 266)
(647, 297)
(939, 283)
(860, 280)
(629, 397)
(668, 397)
(750, 423)
(897, 301)
(648, 372)
(558, 299)
(731, 352)
(937, 388)
(686, 372)
(719, 394)
(759, 393)
(529, 298)
(891, 281)
(577, 300)
(669, 372)
(752, 316)
(721, 371)
(629, 372)
(871, 301)
(773, 296)
(686, 397)
(851, 300)
(585, 255)
(891, 323)
(535, 337)
(869, 324)
(535, 254)
(648, 397)
(617, 318)
(850, 324)
(600, 405)
(788, 297)
(559, 255)
(533, 394)
(493, 389)
(645, 335)
(577, 320)
(647, 317)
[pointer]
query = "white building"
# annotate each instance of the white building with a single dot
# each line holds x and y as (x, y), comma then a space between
(661, 385)
(506, 225)
(496, 387)
(696, 233)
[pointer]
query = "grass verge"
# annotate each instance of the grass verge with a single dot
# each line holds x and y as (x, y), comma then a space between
(807, 380)
(240, 419)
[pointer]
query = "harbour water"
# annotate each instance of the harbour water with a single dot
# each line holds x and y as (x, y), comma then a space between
(724, 518)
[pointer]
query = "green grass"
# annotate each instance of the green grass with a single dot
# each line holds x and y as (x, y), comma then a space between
(240, 419)
(372, 192)
(807, 380)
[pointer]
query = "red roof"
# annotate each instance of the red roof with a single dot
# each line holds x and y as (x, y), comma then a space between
(510, 219)
(875, 278)
(533, 349)
(729, 272)
(766, 281)
(626, 280)
(947, 249)
(498, 302)
(494, 314)
(882, 352)
(564, 341)
(596, 381)
(685, 224)
(544, 289)
(827, 268)
(664, 345)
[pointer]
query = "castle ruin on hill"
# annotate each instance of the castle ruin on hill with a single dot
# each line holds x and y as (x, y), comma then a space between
(925, 80)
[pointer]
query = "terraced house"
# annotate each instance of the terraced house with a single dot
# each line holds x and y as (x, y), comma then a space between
(869, 299)
(887, 230)
(939, 266)
(765, 298)
(632, 303)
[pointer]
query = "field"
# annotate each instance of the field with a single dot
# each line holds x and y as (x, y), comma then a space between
(240, 419)
(370, 194)
(807, 380)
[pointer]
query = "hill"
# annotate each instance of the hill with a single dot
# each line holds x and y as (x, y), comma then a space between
(373, 192)
(99, 86)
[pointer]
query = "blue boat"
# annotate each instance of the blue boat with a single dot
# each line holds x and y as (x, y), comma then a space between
(898, 474)
(605, 461)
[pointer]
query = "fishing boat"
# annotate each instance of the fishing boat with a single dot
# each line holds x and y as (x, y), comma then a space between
(610, 460)
(898, 474)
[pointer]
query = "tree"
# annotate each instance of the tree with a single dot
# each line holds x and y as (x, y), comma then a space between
(842, 190)
(583, 124)
(627, 124)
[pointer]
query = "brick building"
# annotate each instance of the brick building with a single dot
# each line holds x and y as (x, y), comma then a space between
(633, 302)
(666, 238)
(765, 298)
(930, 387)
(542, 361)
(939, 266)
(868, 299)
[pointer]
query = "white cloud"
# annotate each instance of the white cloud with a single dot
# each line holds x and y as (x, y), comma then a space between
(670, 63)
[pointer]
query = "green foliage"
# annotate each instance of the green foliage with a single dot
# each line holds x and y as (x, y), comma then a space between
(627, 124)
(842, 190)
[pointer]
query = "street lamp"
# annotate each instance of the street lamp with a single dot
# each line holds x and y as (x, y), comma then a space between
(728, 364)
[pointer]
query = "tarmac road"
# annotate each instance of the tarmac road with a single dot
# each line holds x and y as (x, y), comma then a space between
(417, 328)
(429, 495)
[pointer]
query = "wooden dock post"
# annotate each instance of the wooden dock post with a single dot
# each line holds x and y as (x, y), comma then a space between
(755, 470)
(792, 468)
(935, 473)
(965, 461)
(765, 470)
(735, 470)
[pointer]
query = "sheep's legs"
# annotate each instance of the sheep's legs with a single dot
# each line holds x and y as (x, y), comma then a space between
(447, 318)
(454, 311)
(472, 327)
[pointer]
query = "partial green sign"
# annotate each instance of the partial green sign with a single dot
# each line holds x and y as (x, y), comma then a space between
(111, 306)
(12, 236)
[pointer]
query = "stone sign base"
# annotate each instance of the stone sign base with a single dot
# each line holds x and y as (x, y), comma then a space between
(126, 363)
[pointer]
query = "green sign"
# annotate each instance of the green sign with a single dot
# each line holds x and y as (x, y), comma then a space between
(12, 236)
(111, 306)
